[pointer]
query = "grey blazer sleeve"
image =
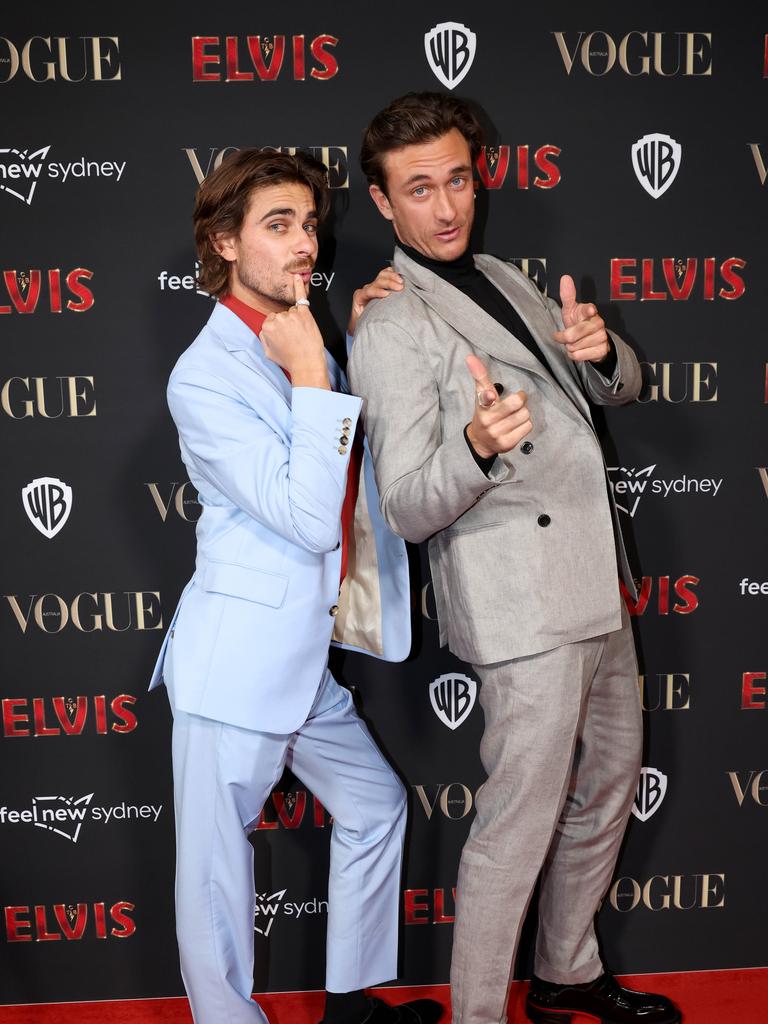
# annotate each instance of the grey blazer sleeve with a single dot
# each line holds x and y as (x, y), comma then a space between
(425, 481)
(626, 382)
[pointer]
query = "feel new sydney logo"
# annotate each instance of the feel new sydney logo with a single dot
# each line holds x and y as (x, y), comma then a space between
(630, 484)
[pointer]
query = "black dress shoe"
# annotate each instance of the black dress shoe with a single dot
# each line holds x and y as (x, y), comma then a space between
(603, 999)
(417, 1011)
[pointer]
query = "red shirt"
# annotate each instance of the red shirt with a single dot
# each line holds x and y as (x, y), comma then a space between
(253, 319)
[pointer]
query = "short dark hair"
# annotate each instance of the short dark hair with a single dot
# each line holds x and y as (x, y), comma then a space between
(222, 202)
(412, 119)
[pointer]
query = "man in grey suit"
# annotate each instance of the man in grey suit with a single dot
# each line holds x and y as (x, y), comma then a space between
(477, 392)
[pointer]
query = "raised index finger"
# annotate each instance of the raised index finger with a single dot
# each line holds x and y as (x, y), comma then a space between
(299, 288)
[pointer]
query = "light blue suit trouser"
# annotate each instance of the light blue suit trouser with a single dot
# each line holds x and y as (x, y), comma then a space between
(222, 777)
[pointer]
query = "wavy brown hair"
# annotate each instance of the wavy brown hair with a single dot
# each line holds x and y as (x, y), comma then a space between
(410, 120)
(222, 202)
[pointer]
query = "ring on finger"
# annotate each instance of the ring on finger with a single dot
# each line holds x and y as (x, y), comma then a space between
(302, 302)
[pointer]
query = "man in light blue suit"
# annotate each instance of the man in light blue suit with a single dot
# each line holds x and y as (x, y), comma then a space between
(292, 554)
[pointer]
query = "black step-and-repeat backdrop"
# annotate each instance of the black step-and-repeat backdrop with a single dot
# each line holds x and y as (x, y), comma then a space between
(628, 151)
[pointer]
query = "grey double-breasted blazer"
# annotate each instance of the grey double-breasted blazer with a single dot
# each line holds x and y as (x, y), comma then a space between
(527, 558)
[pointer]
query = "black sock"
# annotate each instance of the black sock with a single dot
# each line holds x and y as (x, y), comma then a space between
(346, 1007)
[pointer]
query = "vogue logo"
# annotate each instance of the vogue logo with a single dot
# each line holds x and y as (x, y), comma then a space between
(24, 289)
(89, 612)
(752, 784)
(494, 161)
(638, 53)
(49, 397)
(453, 800)
(334, 158)
(677, 277)
(183, 501)
(688, 601)
(68, 716)
(59, 58)
(669, 892)
(669, 691)
(261, 58)
(679, 382)
(71, 921)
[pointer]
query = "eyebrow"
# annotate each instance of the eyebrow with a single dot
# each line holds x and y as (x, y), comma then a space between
(462, 168)
(286, 211)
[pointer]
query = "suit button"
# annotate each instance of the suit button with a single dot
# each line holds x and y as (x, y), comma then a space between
(526, 447)
(499, 389)
(333, 610)
(346, 422)
(342, 450)
(544, 520)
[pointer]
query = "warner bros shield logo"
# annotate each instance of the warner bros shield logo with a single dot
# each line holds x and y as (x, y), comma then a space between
(450, 49)
(651, 790)
(453, 697)
(656, 159)
(47, 502)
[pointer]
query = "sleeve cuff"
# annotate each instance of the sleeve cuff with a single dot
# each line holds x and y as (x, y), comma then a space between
(486, 465)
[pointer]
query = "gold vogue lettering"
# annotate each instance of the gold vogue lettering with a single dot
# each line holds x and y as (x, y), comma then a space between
(180, 498)
(72, 921)
(750, 783)
(669, 691)
(89, 612)
(61, 58)
(261, 58)
(679, 382)
(669, 892)
(49, 397)
(334, 157)
(638, 53)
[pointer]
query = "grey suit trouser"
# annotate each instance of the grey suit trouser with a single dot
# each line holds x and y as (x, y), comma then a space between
(562, 750)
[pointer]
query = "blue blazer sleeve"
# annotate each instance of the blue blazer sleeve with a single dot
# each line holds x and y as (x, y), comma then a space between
(281, 466)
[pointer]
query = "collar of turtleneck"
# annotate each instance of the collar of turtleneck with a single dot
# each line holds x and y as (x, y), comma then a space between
(454, 272)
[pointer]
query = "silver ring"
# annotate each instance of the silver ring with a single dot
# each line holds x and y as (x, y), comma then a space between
(302, 302)
(480, 395)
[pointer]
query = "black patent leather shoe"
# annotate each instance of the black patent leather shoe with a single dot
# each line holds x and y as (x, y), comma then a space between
(604, 1000)
(417, 1011)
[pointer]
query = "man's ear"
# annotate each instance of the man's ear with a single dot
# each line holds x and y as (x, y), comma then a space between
(225, 246)
(381, 201)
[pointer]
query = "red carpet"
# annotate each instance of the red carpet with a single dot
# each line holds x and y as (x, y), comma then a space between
(707, 997)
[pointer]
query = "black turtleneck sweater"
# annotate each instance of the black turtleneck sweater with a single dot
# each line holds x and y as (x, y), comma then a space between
(464, 275)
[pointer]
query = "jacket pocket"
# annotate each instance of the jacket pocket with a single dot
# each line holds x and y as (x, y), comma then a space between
(245, 582)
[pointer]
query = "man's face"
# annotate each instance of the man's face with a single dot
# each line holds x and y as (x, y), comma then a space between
(430, 195)
(277, 239)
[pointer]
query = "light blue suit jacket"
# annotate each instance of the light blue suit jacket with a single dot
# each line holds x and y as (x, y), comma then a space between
(252, 628)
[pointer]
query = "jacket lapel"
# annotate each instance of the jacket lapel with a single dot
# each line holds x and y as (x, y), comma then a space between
(538, 321)
(244, 345)
(487, 334)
